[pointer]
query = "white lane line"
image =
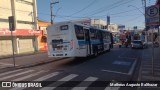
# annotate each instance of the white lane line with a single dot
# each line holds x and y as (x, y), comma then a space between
(39, 79)
(10, 72)
(67, 78)
(10, 76)
(132, 68)
(91, 79)
(114, 72)
(28, 76)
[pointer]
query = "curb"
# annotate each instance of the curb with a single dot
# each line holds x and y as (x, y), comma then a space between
(30, 65)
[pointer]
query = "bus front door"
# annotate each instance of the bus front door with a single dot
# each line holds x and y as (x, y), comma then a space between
(88, 43)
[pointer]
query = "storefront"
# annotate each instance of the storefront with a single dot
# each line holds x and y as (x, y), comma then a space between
(24, 40)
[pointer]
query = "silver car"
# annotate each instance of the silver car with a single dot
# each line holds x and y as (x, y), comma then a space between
(138, 44)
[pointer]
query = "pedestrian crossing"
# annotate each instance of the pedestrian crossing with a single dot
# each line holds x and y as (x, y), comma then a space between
(57, 80)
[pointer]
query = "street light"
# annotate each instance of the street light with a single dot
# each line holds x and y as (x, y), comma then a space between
(51, 3)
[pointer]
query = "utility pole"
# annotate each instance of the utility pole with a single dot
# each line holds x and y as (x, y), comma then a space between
(146, 33)
(51, 3)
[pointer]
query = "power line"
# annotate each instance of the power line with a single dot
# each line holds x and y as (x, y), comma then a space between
(84, 7)
(65, 16)
(113, 7)
(103, 8)
(134, 18)
(123, 12)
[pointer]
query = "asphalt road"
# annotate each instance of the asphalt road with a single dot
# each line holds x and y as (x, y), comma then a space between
(120, 64)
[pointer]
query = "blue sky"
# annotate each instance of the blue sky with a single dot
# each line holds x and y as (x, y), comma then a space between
(126, 12)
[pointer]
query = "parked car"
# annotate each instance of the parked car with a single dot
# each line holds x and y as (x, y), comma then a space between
(138, 44)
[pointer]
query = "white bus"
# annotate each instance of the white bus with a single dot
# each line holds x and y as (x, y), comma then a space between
(68, 39)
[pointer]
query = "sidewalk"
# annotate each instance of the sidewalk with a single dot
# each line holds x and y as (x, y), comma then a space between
(145, 73)
(27, 60)
(20, 55)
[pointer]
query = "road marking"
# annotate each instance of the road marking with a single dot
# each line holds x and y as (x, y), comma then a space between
(125, 57)
(67, 78)
(39, 79)
(28, 76)
(47, 76)
(10, 76)
(10, 72)
(122, 63)
(132, 68)
(129, 72)
(91, 79)
(113, 71)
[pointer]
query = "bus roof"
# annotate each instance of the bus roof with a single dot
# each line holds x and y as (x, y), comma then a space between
(89, 26)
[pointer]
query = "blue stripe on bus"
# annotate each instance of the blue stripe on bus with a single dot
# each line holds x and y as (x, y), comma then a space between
(59, 42)
(96, 42)
(87, 42)
(82, 42)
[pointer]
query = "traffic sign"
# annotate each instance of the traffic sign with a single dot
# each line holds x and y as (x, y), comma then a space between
(152, 15)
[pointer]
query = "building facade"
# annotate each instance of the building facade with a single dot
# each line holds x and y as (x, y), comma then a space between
(42, 25)
(99, 23)
(25, 21)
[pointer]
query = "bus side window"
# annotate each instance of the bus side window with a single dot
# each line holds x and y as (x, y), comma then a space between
(93, 34)
(86, 34)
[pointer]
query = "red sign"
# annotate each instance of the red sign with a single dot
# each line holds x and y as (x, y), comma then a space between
(20, 32)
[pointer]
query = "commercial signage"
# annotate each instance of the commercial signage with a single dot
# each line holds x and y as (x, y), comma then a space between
(20, 32)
